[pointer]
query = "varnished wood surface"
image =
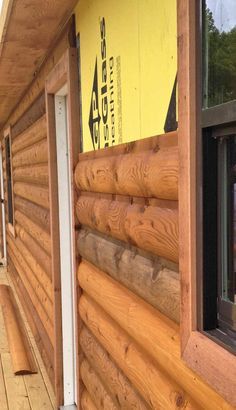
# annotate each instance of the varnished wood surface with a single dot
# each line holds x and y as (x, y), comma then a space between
(154, 332)
(152, 173)
(21, 355)
(151, 228)
(29, 392)
(23, 55)
(117, 384)
(155, 279)
(154, 385)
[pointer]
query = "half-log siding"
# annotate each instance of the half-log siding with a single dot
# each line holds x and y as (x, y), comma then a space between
(29, 251)
(130, 302)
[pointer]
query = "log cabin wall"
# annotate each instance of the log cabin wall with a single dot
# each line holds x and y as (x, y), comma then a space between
(29, 251)
(130, 288)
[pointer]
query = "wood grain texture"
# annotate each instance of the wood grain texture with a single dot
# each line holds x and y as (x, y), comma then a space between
(37, 213)
(23, 361)
(157, 335)
(31, 135)
(35, 154)
(116, 383)
(21, 58)
(148, 276)
(151, 228)
(35, 174)
(86, 401)
(36, 231)
(28, 118)
(32, 277)
(154, 385)
(95, 387)
(147, 174)
(34, 193)
(39, 273)
(36, 250)
(33, 318)
(17, 261)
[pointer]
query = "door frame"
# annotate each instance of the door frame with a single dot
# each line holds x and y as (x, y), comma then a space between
(64, 73)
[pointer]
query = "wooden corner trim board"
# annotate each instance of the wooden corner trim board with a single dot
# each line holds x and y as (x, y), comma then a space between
(65, 72)
(211, 361)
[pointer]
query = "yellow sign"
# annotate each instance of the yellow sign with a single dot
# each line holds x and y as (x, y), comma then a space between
(128, 66)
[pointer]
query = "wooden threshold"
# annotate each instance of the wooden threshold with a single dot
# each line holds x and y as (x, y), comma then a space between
(28, 392)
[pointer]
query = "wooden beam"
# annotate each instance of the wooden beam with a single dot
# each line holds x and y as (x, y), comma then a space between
(30, 126)
(35, 154)
(34, 193)
(23, 361)
(152, 228)
(39, 234)
(151, 173)
(31, 135)
(34, 174)
(36, 250)
(38, 214)
(148, 276)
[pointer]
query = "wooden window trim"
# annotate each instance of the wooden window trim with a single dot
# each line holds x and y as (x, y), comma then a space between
(212, 362)
(11, 227)
(65, 72)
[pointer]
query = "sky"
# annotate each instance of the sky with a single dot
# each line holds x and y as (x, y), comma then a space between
(224, 13)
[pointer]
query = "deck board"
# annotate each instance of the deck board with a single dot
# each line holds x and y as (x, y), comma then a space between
(28, 392)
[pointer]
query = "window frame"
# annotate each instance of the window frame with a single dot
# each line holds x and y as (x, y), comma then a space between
(215, 364)
(11, 226)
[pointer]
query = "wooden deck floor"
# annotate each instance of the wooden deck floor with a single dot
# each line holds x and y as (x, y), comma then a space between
(31, 392)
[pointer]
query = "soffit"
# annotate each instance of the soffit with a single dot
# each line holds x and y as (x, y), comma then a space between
(27, 30)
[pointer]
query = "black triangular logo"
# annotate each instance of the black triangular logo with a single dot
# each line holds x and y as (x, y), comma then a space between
(94, 116)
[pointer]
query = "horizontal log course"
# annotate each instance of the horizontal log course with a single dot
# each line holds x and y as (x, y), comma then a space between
(34, 193)
(86, 401)
(36, 250)
(35, 154)
(116, 383)
(154, 385)
(35, 174)
(147, 174)
(95, 387)
(146, 275)
(14, 255)
(38, 214)
(155, 333)
(29, 115)
(152, 228)
(38, 271)
(32, 277)
(39, 234)
(35, 133)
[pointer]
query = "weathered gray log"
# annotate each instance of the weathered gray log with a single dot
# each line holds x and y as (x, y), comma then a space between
(150, 277)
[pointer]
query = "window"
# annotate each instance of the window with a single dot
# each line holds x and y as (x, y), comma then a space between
(206, 209)
(219, 170)
(10, 207)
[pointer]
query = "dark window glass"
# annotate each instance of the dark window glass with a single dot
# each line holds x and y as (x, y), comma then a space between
(9, 180)
(219, 52)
